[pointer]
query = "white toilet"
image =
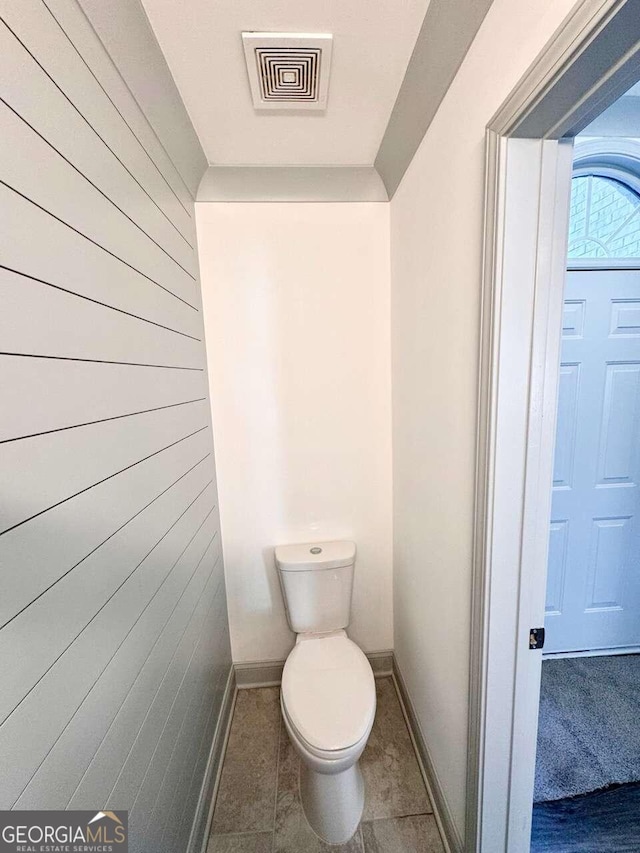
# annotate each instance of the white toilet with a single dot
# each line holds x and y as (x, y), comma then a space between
(328, 695)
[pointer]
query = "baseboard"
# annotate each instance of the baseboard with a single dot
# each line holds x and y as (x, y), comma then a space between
(260, 673)
(204, 810)
(591, 653)
(381, 663)
(268, 673)
(448, 831)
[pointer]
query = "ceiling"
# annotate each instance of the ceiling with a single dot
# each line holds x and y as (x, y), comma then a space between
(622, 118)
(372, 45)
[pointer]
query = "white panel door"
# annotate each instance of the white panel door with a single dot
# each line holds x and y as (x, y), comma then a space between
(593, 586)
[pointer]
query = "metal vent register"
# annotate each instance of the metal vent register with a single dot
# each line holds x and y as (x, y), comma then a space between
(288, 71)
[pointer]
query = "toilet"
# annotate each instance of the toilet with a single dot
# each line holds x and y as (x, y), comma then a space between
(328, 695)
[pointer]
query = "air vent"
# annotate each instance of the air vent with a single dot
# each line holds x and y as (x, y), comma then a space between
(288, 71)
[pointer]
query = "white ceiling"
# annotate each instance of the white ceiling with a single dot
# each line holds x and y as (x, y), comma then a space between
(373, 42)
(622, 118)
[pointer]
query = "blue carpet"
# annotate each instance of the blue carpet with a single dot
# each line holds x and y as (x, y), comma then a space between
(589, 726)
(603, 822)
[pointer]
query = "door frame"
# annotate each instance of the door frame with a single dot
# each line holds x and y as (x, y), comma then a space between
(592, 59)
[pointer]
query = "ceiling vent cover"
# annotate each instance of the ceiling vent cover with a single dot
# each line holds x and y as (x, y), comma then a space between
(288, 71)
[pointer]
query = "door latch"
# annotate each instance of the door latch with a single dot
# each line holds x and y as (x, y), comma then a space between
(536, 638)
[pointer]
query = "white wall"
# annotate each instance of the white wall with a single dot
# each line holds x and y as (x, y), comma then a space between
(436, 232)
(296, 300)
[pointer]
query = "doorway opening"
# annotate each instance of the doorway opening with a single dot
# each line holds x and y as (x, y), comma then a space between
(587, 783)
(591, 61)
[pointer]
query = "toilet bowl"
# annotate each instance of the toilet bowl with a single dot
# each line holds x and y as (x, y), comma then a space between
(328, 697)
(328, 702)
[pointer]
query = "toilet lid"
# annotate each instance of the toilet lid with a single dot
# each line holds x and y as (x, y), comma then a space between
(329, 692)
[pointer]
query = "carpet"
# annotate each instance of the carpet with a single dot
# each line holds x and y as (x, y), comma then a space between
(603, 822)
(589, 725)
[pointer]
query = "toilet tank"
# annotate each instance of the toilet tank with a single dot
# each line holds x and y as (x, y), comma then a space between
(316, 580)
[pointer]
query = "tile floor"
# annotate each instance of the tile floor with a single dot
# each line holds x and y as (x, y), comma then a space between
(258, 808)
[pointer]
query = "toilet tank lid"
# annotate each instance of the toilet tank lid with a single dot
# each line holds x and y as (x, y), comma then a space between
(312, 556)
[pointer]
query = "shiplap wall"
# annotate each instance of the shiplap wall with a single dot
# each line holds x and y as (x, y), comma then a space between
(114, 648)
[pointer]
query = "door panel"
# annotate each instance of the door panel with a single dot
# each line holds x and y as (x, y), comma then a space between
(557, 567)
(609, 543)
(616, 462)
(593, 587)
(567, 424)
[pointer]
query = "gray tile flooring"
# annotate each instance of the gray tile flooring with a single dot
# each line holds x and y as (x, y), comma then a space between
(258, 808)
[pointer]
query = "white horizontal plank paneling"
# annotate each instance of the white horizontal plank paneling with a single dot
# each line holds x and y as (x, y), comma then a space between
(35, 555)
(92, 719)
(38, 473)
(26, 737)
(83, 329)
(101, 390)
(34, 96)
(174, 835)
(180, 734)
(137, 784)
(69, 197)
(158, 628)
(146, 71)
(64, 43)
(127, 732)
(114, 642)
(167, 814)
(30, 643)
(214, 705)
(162, 777)
(33, 243)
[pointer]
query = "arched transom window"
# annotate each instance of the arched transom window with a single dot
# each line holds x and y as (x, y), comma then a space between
(605, 218)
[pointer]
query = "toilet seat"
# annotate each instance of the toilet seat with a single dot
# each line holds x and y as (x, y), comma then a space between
(328, 694)
(329, 757)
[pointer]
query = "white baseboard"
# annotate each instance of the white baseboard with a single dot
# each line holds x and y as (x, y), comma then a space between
(592, 653)
(381, 663)
(259, 673)
(268, 673)
(448, 830)
(204, 811)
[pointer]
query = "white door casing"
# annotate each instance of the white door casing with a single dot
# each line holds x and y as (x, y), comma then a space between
(528, 262)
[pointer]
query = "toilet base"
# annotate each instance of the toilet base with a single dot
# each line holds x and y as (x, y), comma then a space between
(333, 802)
